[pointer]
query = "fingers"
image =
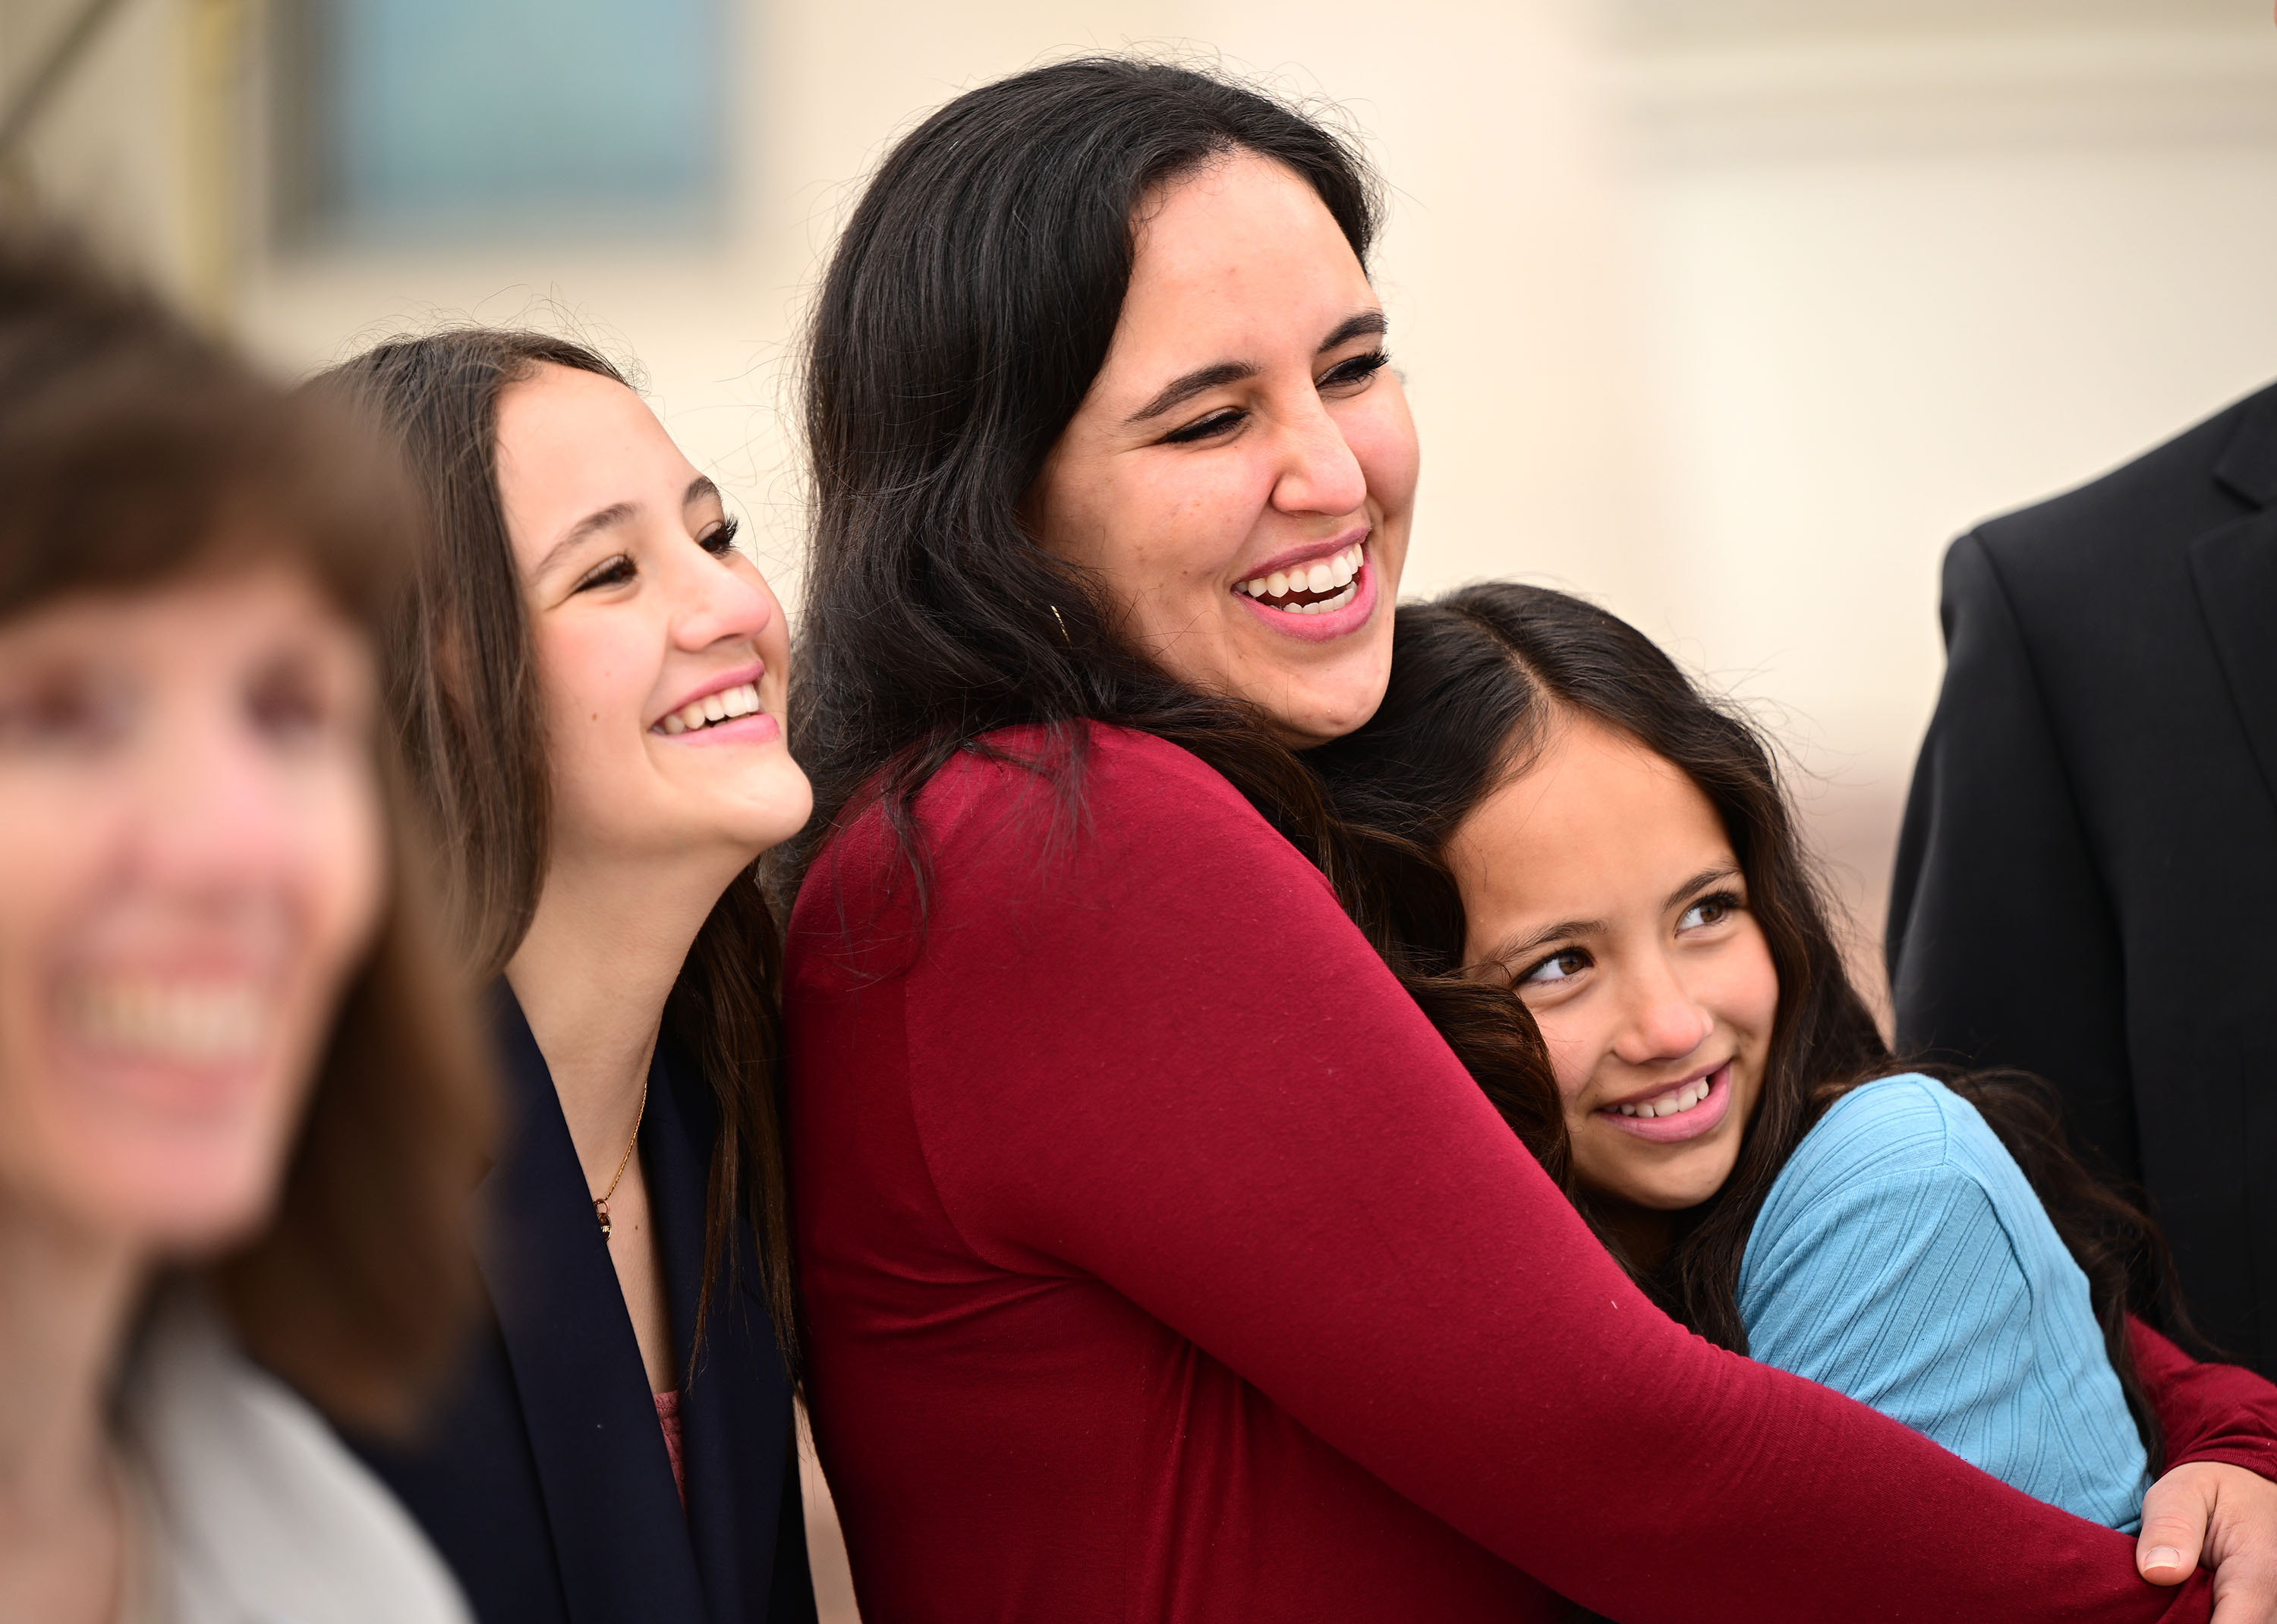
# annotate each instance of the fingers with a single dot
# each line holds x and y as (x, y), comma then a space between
(2244, 1592)
(2174, 1516)
(2237, 1511)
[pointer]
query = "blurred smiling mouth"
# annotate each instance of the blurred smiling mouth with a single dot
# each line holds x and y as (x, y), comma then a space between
(170, 1020)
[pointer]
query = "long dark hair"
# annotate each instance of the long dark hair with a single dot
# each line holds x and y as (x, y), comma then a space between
(136, 454)
(464, 700)
(966, 311)
(1477, 678)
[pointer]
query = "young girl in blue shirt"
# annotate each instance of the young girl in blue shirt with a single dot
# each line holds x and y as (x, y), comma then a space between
(1623, 856)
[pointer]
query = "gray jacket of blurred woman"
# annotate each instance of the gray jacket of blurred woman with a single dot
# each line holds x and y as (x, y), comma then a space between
(248, 1510)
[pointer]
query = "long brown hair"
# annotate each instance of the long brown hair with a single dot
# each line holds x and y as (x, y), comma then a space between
(134, 453)
(466, 701)
(1478, 677)
(966, 310)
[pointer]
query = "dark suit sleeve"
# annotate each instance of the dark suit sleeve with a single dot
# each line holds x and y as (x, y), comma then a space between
(2002, 946)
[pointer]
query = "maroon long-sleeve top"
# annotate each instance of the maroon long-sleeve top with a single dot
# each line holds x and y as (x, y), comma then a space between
(1162, 1263)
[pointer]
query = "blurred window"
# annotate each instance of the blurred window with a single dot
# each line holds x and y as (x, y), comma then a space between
(471, 119)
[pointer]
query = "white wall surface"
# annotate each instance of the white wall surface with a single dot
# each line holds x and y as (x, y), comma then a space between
(1729, 312)
(1893, 282)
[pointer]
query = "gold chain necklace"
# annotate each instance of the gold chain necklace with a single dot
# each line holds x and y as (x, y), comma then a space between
(601, 1202)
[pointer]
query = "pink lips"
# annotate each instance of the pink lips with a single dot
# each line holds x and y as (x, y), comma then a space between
(752, 673)
(756, 728)
(1703, 1119)
(1336, 623)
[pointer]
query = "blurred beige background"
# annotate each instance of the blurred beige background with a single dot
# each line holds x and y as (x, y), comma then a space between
(1729, 313)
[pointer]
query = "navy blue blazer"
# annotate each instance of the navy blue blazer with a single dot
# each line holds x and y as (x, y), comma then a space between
(543, 1477)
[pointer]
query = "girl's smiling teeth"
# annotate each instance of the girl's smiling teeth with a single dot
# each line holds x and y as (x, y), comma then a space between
(1313, 589)
(725, 706)
(1670, 1105)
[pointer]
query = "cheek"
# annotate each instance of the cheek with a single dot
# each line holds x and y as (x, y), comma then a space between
(51, 867)
(1156, 526)
(1187, 523)
(583, 670)
(1088, 508)
(346, 877)
(1751, 997)
(54, 833)
(1574, 1050)
(595, 680)
(1382, 435)
(334, 867)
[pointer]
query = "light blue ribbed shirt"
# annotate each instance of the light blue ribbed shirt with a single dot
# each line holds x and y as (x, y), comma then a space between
(1903, 1258)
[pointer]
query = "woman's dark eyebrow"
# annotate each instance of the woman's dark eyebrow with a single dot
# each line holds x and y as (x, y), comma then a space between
(698, 489)
(1178, 390)
(1700, 881)
(1366, 323)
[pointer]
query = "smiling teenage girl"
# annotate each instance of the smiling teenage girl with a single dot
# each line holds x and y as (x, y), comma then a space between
(594, 716)
(1161, 1261)
(1627, 859)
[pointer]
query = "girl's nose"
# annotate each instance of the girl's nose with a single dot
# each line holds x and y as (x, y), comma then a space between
(717, 601)
(1663, 1024)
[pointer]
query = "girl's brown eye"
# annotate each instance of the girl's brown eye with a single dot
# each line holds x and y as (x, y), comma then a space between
(1559, 967)
(1709, 911)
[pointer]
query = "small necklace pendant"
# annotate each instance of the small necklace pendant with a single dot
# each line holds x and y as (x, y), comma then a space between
(601, 1211)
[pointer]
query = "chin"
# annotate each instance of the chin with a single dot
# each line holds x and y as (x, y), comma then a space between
(778, 812)
(1687, 1190)
(1312, 729)
(184, 1212)
(1328, 705)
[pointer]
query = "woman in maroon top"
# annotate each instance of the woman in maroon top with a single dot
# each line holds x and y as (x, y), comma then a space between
(1163, 1262)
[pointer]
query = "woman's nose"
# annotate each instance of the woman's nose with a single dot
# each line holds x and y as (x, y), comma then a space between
(212, 816)
(1320, 474)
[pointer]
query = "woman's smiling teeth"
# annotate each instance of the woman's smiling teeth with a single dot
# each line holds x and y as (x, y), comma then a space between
(725, 706)
(186, 1023)
(1669, 1104)
(1314, 589)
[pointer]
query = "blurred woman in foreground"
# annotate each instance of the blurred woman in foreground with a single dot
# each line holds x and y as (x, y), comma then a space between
(592, 707)
(235, 1098)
